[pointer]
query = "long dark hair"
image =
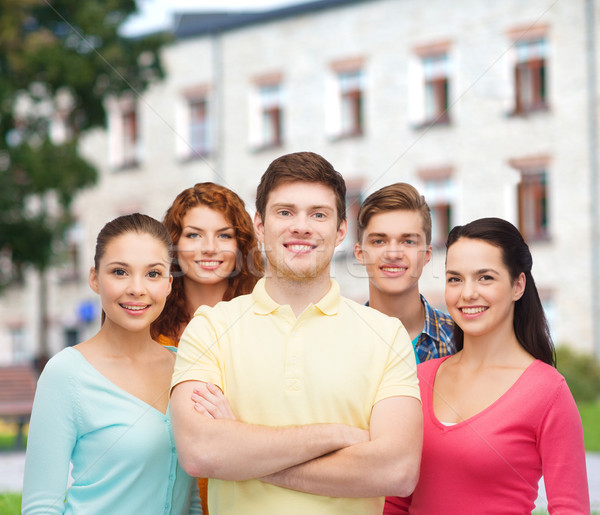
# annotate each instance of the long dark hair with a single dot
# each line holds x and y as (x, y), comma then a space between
(530, 324)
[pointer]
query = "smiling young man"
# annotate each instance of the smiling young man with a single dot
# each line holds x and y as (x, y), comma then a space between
(319, 386)
(394, 244)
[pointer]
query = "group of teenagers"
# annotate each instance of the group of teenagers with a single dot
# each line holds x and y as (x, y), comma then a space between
(227, 352)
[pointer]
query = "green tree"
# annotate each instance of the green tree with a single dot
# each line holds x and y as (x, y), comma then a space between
(59, 61)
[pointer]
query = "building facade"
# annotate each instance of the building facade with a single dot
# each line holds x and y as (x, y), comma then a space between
(488, 108)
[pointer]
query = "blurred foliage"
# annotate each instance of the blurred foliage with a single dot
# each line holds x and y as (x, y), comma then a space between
(582, 373)
(59, 62)
(74, 47)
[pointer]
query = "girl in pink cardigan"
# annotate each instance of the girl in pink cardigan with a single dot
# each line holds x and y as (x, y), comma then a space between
(497, 415)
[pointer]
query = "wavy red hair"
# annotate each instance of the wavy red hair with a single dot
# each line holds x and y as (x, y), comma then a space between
(249, 268)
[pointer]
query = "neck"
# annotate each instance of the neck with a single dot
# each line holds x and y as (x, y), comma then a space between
(197, 294)
(406, 306)
(299, 294)
(119, 342)
(499, 349)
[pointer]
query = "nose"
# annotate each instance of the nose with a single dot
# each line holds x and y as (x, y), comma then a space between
(301, 225)
(469, 290)
(136, 286)
(394, 250)
(209, 245)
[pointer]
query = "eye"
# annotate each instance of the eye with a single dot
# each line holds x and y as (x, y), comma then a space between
(154, 274)
(284, 212)
(320, 216)
(119, 272)
(226, 236)
(192, 235)
(486, 278)
(452, 279)
(410, 243)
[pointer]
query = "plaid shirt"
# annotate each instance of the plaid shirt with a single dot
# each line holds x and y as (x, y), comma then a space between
(436, 340)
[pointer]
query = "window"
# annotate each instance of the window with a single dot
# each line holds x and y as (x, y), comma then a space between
(71, 336)
(198, 126)
(18, 345)
(194, 135)
(533, 205)
(267, 112)
(436, 77)
(70, 253)
(439, 192)
(351, 103)
(270, 99)
(532, 197)
(123, 133)
(129, 124)
(530, 76)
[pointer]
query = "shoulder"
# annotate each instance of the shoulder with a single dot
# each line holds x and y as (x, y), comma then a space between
(429, 368)
(225, 308)
(63, 371)
(544, 380)
(542, 372)
(64, 362)
(357, 313)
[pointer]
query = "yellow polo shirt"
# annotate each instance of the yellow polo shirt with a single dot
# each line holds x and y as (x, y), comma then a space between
(329, 365)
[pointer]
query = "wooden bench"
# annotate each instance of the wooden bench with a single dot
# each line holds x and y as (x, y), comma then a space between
(17, 389)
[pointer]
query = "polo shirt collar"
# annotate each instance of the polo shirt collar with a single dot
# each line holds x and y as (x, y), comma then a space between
(330, 303)
(264, 304)
(431, 327)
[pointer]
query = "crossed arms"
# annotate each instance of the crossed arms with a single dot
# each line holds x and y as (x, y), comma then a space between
(324, 459)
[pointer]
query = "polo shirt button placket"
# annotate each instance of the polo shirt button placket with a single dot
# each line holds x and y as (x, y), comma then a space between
(293, 381)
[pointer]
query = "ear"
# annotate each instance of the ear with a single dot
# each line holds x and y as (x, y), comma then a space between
(359, 254)
(341, 232)
(259, 227)
(519, 287)
(427, 255)
(93, 280)
(170, 284)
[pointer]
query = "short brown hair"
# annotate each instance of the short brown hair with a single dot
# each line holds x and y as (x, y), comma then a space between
(400, 196)
(301, 167)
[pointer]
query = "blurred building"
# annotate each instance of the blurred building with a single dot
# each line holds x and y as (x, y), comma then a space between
(484, 106)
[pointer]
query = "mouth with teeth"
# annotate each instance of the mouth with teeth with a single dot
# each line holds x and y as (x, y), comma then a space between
(473, 311)
(299, 248)
(135, 308)
(393, 270)
(209, 265)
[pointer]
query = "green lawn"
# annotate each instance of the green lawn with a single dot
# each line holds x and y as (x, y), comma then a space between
(590, 417)
(10, 504)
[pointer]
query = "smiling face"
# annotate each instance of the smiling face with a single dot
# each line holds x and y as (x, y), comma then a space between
(480, 293)
(300, 231)
(207, 248)
(133, 280)
(394, 251)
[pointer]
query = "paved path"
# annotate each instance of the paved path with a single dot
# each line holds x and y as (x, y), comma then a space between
(12, 466)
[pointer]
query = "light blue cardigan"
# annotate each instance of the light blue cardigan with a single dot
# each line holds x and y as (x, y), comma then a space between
(121, 449)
